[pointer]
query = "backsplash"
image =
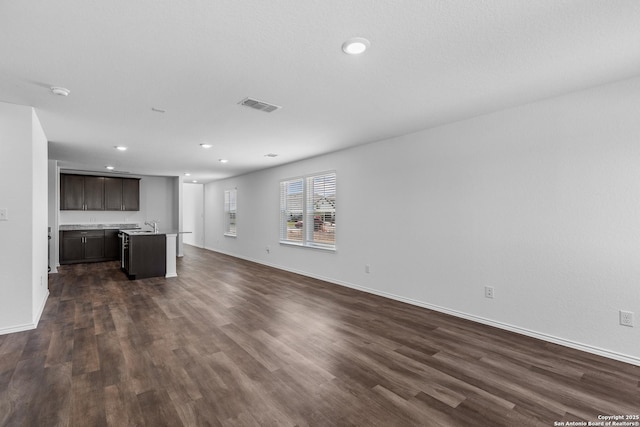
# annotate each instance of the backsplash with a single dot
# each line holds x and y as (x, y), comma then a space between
(100, 217)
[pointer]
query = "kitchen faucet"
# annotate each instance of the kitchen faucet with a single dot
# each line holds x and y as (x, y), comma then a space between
(153, 223)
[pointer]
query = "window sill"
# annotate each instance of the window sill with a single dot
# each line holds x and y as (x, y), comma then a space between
(300, 245)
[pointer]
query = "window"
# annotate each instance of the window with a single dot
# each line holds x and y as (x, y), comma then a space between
(308, 211)
(230, 210)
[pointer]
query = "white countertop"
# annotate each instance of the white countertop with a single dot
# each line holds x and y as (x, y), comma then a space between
(97, 226)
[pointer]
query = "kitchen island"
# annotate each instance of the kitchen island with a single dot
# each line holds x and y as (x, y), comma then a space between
(148, 254)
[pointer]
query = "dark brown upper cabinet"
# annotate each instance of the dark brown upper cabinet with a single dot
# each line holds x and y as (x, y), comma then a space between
(81, 192)
(130, 194)
(98, 193)
(122, 194)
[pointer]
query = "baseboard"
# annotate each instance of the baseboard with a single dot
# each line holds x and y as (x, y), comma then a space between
(36, 318)
(18, 328)
(478, 319)
(504, 326)
(27, 326)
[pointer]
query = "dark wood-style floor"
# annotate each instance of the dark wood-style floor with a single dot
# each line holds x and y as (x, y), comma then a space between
(229, 342)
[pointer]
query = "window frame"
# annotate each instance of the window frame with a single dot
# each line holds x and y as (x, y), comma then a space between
(307, 214)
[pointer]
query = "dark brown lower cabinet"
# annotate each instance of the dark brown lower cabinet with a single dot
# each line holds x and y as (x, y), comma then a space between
(111, 244)
(71, 247)
(94, 247)
(78, 246)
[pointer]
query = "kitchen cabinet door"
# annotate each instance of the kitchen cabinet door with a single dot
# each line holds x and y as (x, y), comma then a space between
(131, 194)
(94, 247)
(94, 193)
(111, 245)
(113, 194)
(72, 192)
(72, 248)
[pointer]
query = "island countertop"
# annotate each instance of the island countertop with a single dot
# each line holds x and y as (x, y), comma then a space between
(151, 233)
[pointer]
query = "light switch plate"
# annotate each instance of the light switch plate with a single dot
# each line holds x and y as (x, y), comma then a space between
(4, 214)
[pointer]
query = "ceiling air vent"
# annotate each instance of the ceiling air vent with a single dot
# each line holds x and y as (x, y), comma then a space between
(259, 105)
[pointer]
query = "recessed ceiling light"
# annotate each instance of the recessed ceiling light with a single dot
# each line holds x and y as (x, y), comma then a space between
(60, 91)
(205, 145)
(120, 148)
(223, 160)
(187, 174)
(110, 167)
(355, 46)
(194, 181)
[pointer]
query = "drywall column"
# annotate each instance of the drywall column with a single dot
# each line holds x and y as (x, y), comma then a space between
(39, 208)
(171, 255)
(178, 194)
(54, 202)
(23, 246)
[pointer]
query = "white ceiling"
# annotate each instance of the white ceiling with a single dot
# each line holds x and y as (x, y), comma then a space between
(430, 62)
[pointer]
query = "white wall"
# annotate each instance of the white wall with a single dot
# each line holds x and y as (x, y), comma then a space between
(23, 238)
(193, 214)
(542, 202)
(157, 201)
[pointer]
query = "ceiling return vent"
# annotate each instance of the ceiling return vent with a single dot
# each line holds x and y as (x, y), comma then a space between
(259, 105)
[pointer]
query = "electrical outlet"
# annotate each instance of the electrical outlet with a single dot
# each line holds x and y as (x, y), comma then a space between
(367, 269)
(4, 214)
(268, 249)
(626, 318)
(488, 291)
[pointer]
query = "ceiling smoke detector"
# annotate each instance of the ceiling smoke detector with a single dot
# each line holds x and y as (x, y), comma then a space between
(60, 91)
(259, 105)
